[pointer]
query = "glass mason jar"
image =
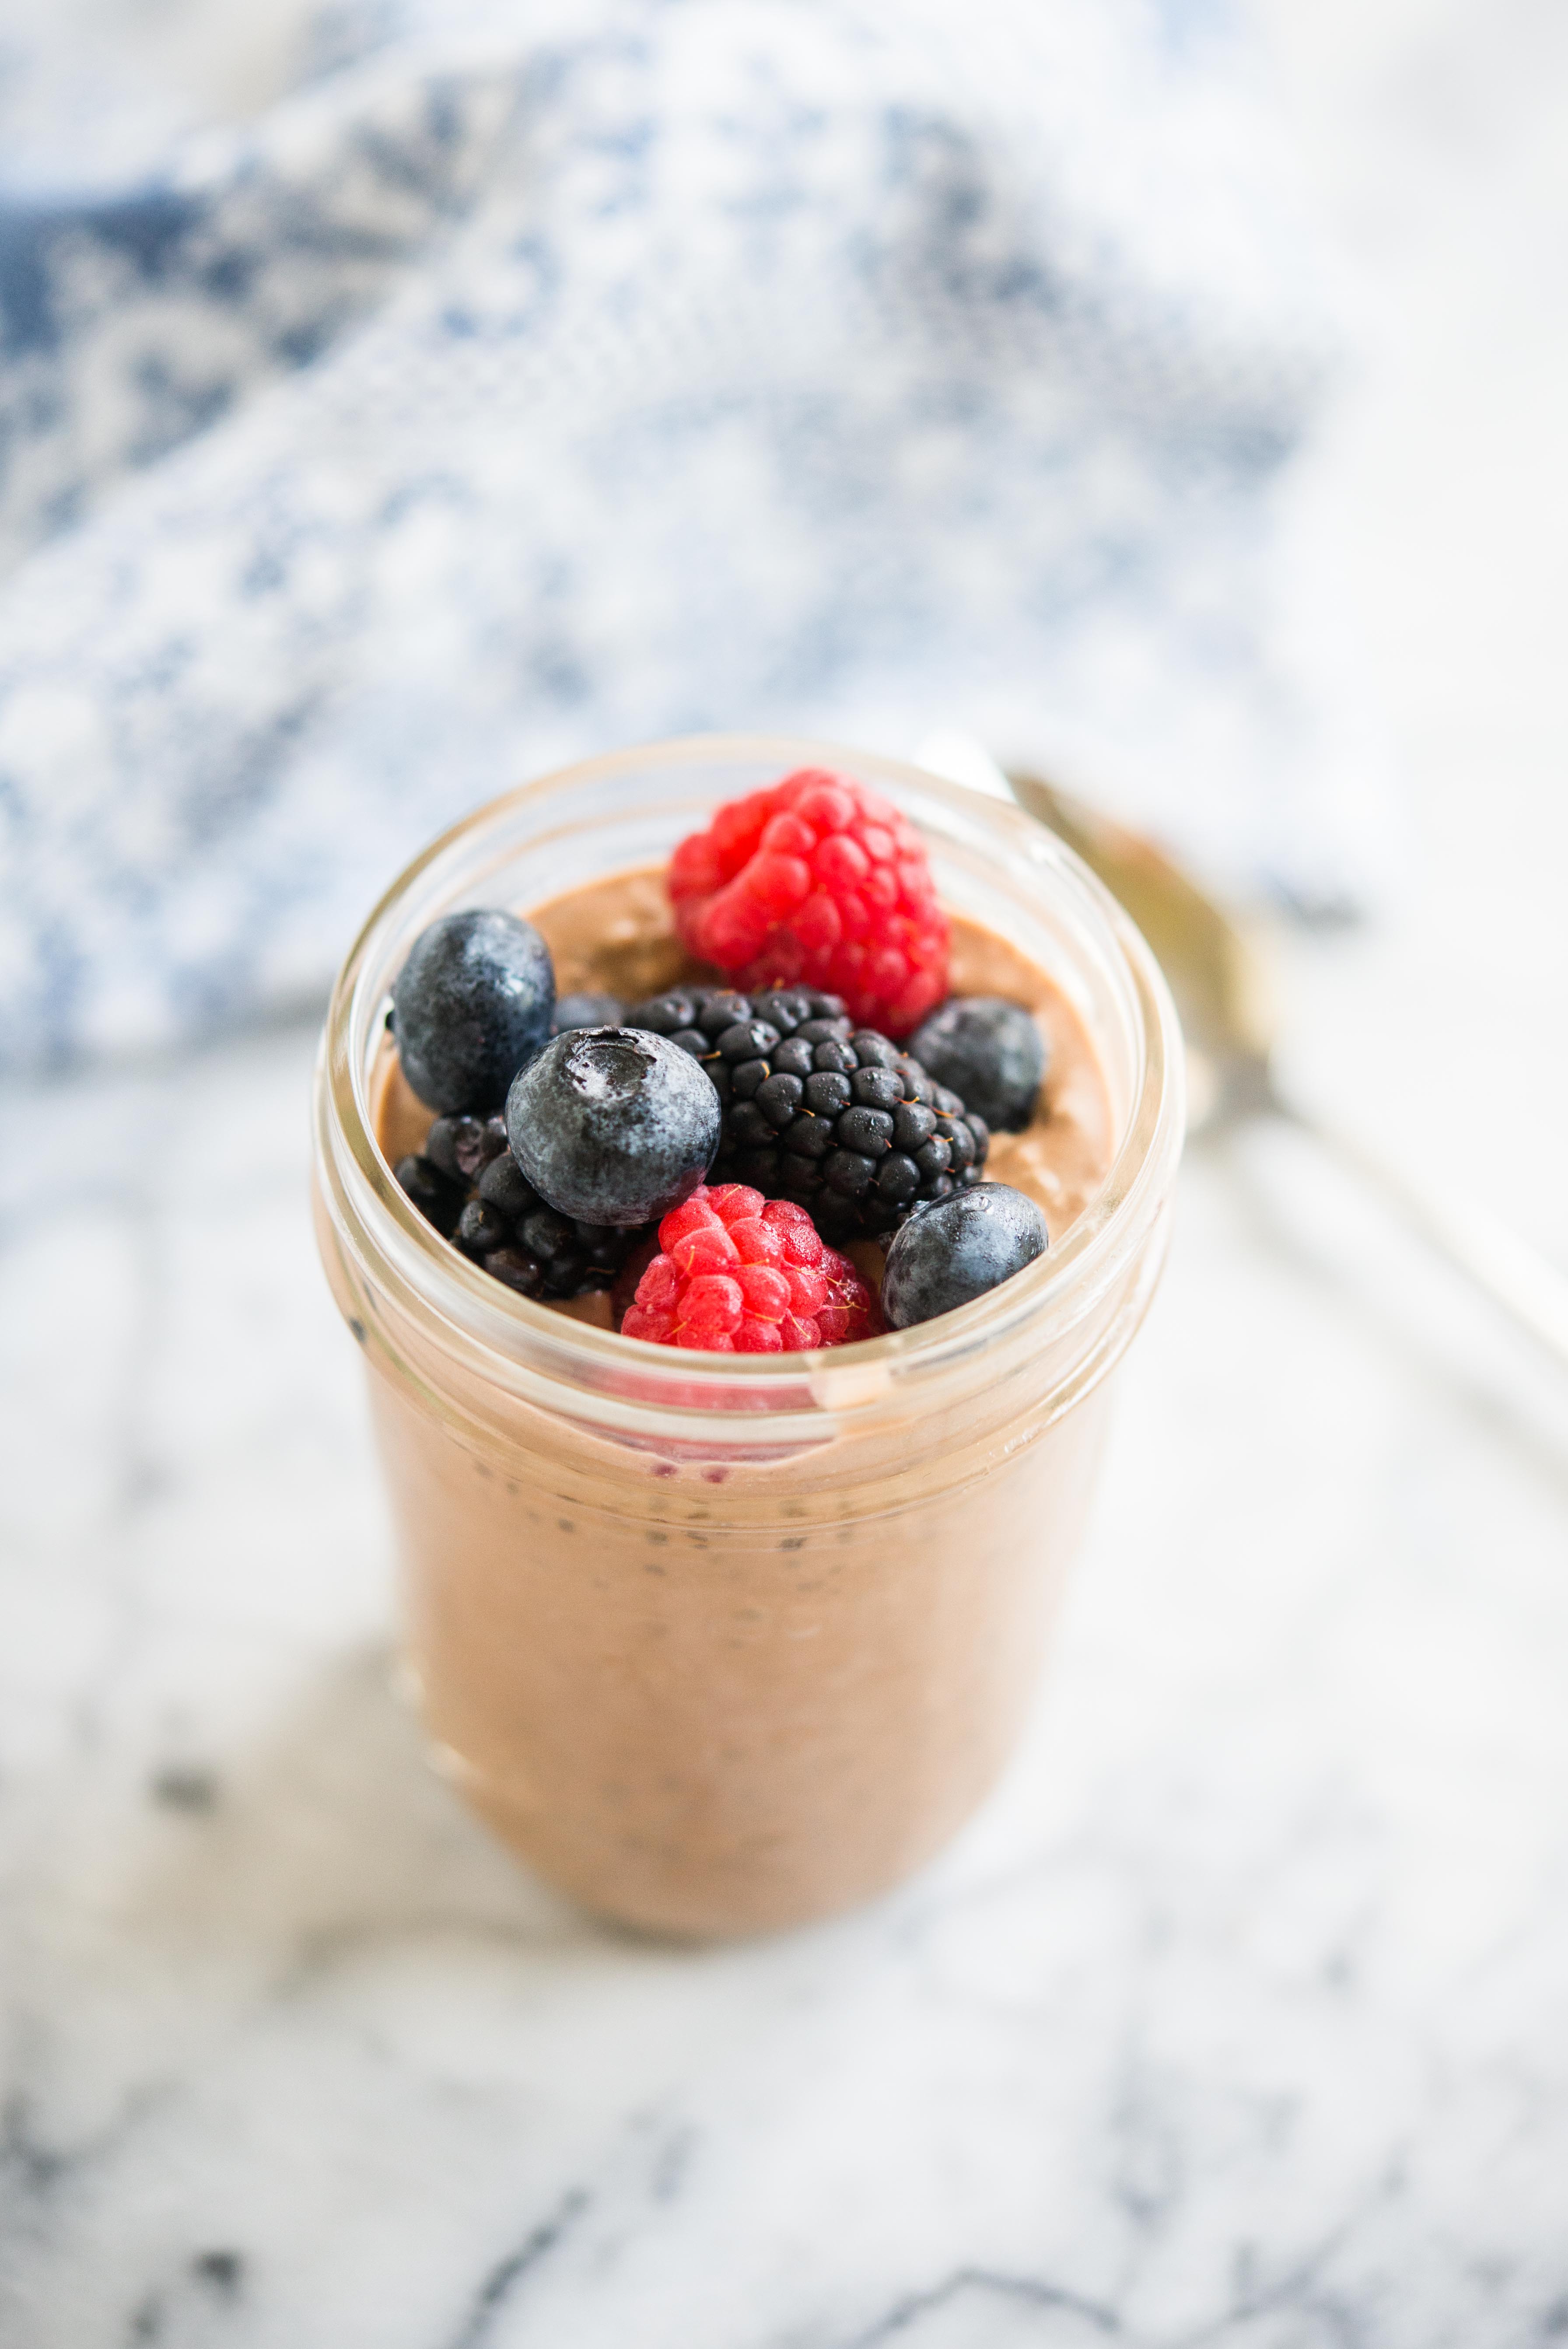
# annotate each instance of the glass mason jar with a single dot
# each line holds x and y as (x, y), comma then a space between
(724, 1642)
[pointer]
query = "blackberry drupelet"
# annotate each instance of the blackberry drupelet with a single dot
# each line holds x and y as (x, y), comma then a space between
(468, 1184)
(439, 1199)
(462, 1147)
(833, 1117)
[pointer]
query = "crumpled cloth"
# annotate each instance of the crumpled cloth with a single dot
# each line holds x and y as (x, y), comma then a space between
(514, 381)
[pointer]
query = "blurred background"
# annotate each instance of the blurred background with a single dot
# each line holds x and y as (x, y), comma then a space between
(396, 400)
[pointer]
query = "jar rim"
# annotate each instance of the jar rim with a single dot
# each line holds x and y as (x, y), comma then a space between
(523, 1341)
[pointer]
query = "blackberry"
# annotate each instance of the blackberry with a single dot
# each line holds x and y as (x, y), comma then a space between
(439, 1199)
(462, 1147)
(468, 1184)
(815, 1110)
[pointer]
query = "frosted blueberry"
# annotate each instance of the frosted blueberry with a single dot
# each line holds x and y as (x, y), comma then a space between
(989, 1050)
(948, 1254)
(473, 1002)
(613, 1125)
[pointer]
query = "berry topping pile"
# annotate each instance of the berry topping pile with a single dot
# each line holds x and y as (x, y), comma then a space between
(736, 1274)
(753, 1126)
(833, 1117)
(817, 881)
(468, 1184)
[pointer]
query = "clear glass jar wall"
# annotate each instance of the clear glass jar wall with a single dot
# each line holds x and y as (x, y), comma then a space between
(718, 1642)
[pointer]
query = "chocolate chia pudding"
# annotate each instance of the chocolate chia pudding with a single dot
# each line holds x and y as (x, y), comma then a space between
(720, 1645)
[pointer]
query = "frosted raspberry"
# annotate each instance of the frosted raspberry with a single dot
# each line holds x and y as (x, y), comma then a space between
(818, 882)
(738, 1274)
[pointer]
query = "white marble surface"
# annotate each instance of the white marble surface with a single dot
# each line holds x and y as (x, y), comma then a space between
(1240, 2016)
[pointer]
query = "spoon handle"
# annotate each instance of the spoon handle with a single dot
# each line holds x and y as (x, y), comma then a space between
(1463, 1231)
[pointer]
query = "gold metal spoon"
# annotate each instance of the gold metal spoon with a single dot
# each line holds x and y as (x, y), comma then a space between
(1219, 975)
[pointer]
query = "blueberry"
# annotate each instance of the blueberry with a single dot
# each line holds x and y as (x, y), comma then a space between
(957, 1249)
(473, 1002)
(988, 1050)
(613, 1125)
(588, 1011)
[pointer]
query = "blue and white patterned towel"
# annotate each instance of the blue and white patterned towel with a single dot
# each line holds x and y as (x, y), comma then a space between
(512, 381)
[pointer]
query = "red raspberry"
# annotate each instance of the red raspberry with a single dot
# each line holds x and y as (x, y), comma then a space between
(817, 882)
(738, 1274)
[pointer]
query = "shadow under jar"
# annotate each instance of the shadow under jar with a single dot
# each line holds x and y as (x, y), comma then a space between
(721, 1644)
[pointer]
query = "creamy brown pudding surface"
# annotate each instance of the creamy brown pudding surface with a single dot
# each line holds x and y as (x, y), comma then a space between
(712, 1689)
